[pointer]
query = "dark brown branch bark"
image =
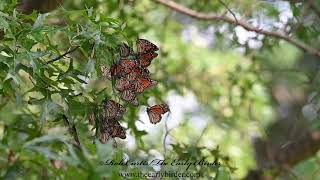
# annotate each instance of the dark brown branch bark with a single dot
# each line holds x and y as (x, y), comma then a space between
(43, 6)
(217, 17)
(285, 158)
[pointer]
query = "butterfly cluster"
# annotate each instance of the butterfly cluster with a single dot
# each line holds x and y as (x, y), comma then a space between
(110, 126)
(130, 73)
(131, 78)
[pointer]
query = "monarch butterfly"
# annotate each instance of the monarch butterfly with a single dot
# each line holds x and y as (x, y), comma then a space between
(128, 65)
(144, 46)
(104, 137)
(131, 76)
(122, 84)
(106, 72)
(138, 72)
(145, 59)
(130, 96)
(113, 109)
(143, 83)
(117, 71)
(117, 130)
(155, 112)
(113, 128)
(125, 50)
(142, 72)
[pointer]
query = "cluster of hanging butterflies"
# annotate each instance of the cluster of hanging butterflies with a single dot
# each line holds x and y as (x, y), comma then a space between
(131, 78)
(130, 73)
(110, 126)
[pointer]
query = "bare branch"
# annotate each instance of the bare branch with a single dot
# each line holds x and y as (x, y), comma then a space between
(243, 23)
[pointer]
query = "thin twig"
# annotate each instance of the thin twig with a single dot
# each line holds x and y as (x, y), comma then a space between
(165, 138)
(61, 56)
(243, 23)
(73, 131)
(204, 130)
(166, 134)
(231, 12)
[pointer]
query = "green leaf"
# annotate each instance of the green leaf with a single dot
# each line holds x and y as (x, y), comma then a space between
(49, 110)
(39, 22)
(46, 139)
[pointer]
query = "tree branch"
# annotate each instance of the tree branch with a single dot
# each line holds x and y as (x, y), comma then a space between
(62, 55)
(72, 130)
(217, 17)
(288, 156)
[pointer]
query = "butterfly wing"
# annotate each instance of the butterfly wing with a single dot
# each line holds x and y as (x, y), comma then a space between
(117, 71)
(122, 83)
(135, 102)
(113, 128)
(125, 50)
(138, 72)
(104, 137)
(154, 117)
(131, 76)
(144, 60)
(128, 65)
(143, 83)
(113, 109)
(106, 72)
(117, 131)
(164, 107)
(128, 95)
(144, 46)
(155, 112)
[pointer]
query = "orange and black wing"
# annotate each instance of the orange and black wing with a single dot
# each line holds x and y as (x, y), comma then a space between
(122, 84)
(112, 128)
(155, 112)
(117, 71)
(117, 131)
(143, 83)
(128, 95)
(113, 109)
(144, 46)
(144, 59)
(128, 65)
